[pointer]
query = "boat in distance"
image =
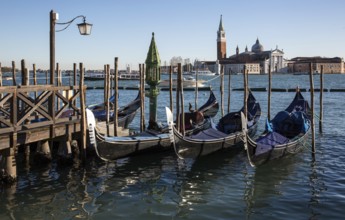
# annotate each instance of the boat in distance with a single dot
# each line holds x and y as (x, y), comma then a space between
(188, 82)
(123, 76)
(200, 72)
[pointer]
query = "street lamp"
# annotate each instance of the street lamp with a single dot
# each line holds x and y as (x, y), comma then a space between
(84, 29)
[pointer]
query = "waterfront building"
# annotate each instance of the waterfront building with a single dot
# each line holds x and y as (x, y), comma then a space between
(301, 65)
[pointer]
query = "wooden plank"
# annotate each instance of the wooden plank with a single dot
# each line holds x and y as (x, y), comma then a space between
(6, 99)
(8, 89)
(5, 122)
(37, 134)
(6, 131)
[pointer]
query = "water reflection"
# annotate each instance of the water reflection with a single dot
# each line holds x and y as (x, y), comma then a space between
(316, 187)
(136, 185)
(265, 183)
(50, 192)
(202, 179)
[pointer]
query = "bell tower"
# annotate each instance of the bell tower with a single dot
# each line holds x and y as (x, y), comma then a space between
(221, 41)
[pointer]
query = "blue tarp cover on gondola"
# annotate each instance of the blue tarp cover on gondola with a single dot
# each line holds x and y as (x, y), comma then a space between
(288, 124)
(267, 142)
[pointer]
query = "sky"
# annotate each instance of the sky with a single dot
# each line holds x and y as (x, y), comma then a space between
(185, 28)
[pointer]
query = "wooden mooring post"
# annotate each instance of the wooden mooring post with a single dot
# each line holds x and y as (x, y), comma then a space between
(116, 93)
(83, 123)
(43, 152)
(74, 81)
(179, 70)
(14, 73)
(34, 76)
(25, 82)
(107, 96)
(229, 90)
(269, 93)
(46, 77)
(178, 116)
(105, 86)
(196, 88)
(321, 100)
(170, 88)
(245, 86)
(222, 90)
(312, 110)
(142, 97)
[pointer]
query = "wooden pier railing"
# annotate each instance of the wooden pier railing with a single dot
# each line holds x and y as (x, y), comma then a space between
(40, 112)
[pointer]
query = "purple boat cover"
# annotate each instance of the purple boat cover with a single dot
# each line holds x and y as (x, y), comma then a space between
(268, 142)
(210, 133)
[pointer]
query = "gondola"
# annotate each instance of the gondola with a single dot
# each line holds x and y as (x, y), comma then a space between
(226, 134)
(195, 121)
(284, 135)
(125, 113)
(211, 107)
(112, 148)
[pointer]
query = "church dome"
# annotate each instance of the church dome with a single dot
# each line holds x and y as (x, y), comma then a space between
(257, 47)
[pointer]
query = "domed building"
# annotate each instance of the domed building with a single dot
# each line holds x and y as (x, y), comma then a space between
(257, 47)
(256, 61)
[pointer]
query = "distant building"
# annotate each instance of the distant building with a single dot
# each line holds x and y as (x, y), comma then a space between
(257, 61)
(330, 65)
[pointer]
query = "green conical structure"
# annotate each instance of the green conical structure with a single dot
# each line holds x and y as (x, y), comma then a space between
(153, 77)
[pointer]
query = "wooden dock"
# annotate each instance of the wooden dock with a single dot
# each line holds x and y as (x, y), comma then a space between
(40, 114)
(25, 119)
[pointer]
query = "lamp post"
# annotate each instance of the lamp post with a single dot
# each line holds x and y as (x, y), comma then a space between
(84, 29)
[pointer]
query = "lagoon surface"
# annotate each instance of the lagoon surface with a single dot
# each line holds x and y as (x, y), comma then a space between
(219, 186)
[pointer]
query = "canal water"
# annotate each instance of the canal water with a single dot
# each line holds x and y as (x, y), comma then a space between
(218, 186)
